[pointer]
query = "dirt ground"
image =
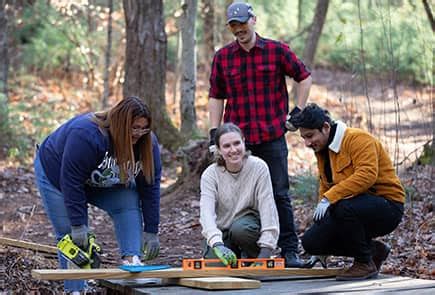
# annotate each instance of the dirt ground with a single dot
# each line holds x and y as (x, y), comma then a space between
(22, 215)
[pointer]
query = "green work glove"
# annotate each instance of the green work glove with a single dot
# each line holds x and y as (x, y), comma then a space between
(151, 246)
(224, 254)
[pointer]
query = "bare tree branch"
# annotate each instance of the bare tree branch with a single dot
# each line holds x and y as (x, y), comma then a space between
(107, 57)
(429, 14)
(362, 55)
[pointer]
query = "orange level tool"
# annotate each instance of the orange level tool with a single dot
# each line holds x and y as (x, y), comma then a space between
(243, 263)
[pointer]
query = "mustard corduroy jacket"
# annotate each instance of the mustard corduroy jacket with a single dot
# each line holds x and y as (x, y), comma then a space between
(359, 165)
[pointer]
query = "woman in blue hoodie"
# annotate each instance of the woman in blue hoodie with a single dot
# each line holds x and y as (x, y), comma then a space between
(109, 159)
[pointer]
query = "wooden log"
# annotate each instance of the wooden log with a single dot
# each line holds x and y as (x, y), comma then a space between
(28, 245)
(219, 283)
(115, 273)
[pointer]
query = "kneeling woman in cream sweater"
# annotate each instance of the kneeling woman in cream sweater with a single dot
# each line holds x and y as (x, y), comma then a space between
(238, 213)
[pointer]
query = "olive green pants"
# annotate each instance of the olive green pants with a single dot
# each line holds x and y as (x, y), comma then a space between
(241, 238)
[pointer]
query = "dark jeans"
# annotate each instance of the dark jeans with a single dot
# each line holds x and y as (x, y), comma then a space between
(350, 225)
(241, 237)
(274, 153)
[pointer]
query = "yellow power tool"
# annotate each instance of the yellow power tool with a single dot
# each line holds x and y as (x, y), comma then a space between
(85, 259)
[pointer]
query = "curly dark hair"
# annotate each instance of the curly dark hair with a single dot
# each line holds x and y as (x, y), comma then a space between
(312, 117)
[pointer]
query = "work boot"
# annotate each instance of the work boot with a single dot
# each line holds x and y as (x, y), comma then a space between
(380, 253)
(358, 271)
(292, 260)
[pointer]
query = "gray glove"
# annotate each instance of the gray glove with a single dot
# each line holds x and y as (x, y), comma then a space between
(265, 252)
(151, 246)
(288, 122)
(321, 209)
(79, 235)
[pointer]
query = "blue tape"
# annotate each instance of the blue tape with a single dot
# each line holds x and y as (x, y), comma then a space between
(141, 268)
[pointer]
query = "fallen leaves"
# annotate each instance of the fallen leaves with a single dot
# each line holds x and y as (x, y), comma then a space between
(22, 216)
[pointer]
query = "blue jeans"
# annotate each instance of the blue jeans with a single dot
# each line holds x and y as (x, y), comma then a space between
(350, 225)
(275, 153)
(121, 204)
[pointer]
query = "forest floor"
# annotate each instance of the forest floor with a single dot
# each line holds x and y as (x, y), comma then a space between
(22, 215)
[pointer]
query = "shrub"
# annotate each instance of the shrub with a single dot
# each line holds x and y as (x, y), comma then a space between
(305, 186)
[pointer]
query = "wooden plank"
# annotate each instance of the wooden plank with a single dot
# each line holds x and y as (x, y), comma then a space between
(128, 286)
(219, 283)
(28, 245)
(384, 284)
(115, 273)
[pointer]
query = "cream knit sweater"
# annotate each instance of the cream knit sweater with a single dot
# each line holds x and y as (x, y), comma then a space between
(226, 197)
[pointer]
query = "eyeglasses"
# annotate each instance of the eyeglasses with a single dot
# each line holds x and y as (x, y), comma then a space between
(140, 131)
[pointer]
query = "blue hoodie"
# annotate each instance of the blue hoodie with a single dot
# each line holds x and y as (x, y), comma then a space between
(77, 158)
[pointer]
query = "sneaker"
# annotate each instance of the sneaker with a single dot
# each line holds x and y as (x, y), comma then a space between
(380, 253)
(292, 260)
(358, 271)
(135, 261)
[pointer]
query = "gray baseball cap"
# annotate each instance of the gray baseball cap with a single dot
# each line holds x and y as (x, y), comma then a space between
(239, 11)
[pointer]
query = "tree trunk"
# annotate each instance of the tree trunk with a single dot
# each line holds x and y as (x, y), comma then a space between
(91, 29)
(177, 71)
(221, 17)
(300, 15)
(4, 60)
(313, 38)
(429, 14)
(207, 14)
(145, 66)
(194, 158)
(188, 69)
(4, 66)
(316, 31)
(106, 91)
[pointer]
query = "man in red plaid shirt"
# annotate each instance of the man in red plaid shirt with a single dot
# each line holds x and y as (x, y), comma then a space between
(249, 74)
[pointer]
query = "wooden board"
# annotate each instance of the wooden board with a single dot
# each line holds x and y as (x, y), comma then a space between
(219, 283)
(28, 245)
(384, 284)
(115, 273)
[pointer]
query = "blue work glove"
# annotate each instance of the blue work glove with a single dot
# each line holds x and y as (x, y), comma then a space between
(224, 254)
(321, 209)
(79, 236)
(265, 252)
(151, 246)
(288, 122)
(212, 144)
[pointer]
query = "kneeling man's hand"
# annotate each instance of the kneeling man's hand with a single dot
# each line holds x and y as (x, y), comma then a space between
(321, 209)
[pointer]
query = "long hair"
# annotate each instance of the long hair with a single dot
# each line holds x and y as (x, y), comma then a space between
(223, 129)
(118, 122)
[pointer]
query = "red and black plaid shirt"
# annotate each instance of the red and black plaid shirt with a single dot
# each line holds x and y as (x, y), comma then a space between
(255, 88)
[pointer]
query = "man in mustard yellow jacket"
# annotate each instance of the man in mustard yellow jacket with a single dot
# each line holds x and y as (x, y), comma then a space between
(360, 195)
